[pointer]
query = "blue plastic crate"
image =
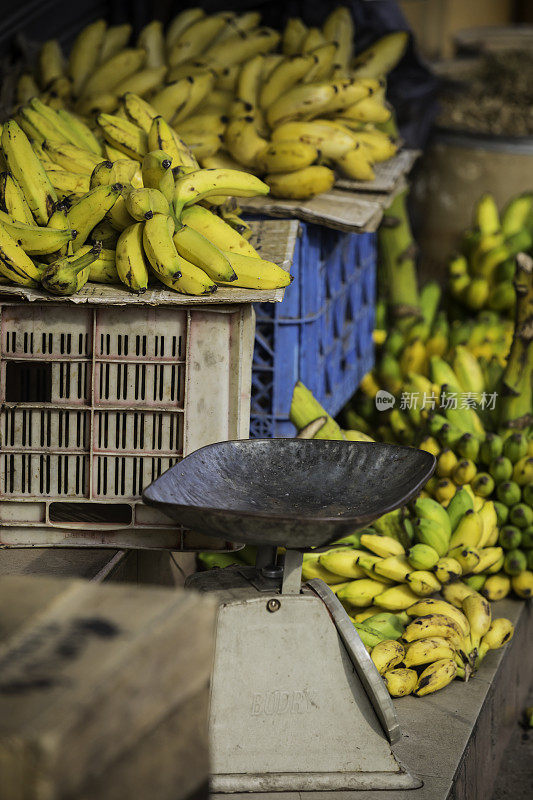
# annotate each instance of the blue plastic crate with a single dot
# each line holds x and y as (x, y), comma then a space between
(321, 333)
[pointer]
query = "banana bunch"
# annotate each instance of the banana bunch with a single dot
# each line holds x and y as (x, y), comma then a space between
(132, 195)
(293, 107)
(443, 640)
(481, 274)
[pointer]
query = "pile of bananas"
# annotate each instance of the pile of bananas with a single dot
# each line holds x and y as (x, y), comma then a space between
(481, 274)
(440, 642)
(126, 206)
(291, 106)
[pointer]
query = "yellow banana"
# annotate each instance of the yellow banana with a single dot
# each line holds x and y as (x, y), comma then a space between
(36, 240)
(395, 568)
(50, 64)
(468, 532)
(339, 28)
(169, 100)
(240, 47)
(426, 651)
(139, 111)
(217, 231)
(152, 41)
(500, 632)
(84, 54)
(380, 146)
(198, 250)
(303, 100)
(423, 582)
(192, 280)
(249, 80)
(311, 568)
(397, 598)
(160, 248)
(477, 610)
(71, 158)
(196, 38)
(294, 36)
(12, 200)
(448, 569)
(142, 82)
(386, 655)
(113, 71)
(130, 259)
(430, 605)
(333, 140)
(323, 58)
(28, 172)
(257, 273)
(361, 592)
(142, 204)
(286, 156)
(115, 39)
(90, 210)
(180, 23)
(369, 109)
(243, 142)
(496, 587)
(383, 546)
(436, 676)
(356, 164)
(430, 625)
(400, 681)
(455, 593)
(15, 264)
(202, 144)
(206, 183)
(162, 137)
(124, 135)
(382, 56)
(104, 269)
(342, 562)
(81, 131)
(283, 77)
(302, 184)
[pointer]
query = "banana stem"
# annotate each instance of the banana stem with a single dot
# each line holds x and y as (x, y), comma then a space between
(397, 254)
(516, 382)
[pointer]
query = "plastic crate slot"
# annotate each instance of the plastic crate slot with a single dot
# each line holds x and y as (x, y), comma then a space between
(28, 382)
(140, 345)
(107, 513)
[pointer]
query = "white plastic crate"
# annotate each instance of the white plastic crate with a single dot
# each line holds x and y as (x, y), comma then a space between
(102, 392)
(97, 402)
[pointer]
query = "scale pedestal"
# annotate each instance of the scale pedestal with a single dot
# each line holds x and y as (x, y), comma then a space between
(296, 702)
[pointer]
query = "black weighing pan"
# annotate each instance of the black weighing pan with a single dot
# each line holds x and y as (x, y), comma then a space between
(293, 493)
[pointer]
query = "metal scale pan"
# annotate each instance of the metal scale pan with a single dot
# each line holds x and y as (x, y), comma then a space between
(296, 702)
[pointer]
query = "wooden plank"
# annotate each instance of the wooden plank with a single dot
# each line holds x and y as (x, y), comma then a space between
(87, 678)
(275, 240)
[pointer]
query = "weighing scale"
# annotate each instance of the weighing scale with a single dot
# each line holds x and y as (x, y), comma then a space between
(296, 702)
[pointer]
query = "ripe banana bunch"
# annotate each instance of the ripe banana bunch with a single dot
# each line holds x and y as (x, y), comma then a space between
(229, 88)
(66, 189)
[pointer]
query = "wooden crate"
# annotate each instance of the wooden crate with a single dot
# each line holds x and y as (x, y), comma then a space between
(103, 691)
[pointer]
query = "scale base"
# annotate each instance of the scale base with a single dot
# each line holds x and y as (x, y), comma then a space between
(288, 709)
